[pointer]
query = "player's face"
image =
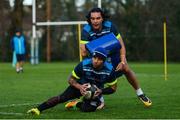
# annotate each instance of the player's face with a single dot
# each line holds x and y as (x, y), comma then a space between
(97, 62)
(18, 33)
(96, 20)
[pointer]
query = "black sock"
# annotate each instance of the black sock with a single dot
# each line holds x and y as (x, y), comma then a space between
(48, 104)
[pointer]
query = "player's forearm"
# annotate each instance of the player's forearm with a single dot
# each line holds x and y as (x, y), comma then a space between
(123, 55)
(72, 81)
(83, 50)
(122, 51)
(109, 90)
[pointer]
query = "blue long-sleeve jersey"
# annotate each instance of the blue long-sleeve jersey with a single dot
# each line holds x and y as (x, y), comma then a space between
(85, 73)
(18, 44)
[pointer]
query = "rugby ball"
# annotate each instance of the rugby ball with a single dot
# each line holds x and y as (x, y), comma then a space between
(90, 91)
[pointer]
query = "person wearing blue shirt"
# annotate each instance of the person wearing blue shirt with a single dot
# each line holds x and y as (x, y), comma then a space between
(98, 26)
(18, 44)
(93, 70)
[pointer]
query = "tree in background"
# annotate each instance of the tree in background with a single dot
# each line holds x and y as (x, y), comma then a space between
(16, 16)
(4, 22)
(12, 20)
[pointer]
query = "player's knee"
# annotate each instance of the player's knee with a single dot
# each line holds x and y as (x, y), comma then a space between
(86, 107)
(126, 68)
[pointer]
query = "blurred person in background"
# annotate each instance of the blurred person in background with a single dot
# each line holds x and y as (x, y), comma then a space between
(18, 44)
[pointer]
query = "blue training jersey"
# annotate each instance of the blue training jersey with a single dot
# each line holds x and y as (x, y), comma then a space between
(107, 27)
(85, 73)
(19, 44)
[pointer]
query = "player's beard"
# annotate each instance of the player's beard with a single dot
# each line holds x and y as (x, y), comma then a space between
(97, 27)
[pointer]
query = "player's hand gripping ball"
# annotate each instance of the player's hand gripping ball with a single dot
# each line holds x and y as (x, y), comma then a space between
(90, 91)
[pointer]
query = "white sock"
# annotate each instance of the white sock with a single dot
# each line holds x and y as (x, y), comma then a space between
(17, 69)
(139, 92)
(102, 99)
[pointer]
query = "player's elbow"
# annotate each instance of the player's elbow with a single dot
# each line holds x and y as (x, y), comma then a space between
(114, 88)
(71, 80)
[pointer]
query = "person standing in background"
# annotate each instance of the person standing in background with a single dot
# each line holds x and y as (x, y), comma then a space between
(18, 44)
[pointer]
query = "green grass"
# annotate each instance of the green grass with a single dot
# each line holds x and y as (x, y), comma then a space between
(20, 92)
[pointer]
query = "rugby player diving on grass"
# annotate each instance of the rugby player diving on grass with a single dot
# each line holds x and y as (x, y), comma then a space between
(94, 70)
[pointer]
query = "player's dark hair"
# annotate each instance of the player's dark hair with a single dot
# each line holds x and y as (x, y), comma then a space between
(18, 30)
(104, 15)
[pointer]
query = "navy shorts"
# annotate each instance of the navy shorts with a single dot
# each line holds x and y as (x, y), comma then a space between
(20, 57)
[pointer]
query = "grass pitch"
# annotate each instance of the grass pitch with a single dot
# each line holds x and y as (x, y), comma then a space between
(20, 92)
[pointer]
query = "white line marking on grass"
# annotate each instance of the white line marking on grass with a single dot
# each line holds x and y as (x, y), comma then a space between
(152, 75)
(10, 113)
(15, 105)
(157, 75)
